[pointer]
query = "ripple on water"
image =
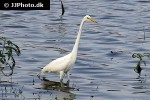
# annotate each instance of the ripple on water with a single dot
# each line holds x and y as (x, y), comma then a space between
(105, 68)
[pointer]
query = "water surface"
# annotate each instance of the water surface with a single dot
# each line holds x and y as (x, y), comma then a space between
(105, 68)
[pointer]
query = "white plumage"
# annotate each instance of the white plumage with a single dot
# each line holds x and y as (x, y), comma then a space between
(64, 64)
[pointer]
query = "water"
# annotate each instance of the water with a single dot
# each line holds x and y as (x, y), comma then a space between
(105, 68)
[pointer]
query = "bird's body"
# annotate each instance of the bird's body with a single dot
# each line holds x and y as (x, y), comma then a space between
(64, 64)
(60, 64)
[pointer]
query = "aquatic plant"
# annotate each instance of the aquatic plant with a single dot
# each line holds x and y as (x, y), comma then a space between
(7, 50)
(62, 7)
(140, 56)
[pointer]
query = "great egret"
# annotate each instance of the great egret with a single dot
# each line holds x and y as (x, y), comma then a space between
(64, 64)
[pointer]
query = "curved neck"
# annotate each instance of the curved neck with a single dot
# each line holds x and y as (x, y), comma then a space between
(75, 48)
(80, 29)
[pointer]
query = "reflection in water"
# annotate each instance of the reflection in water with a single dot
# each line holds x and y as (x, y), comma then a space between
(60, 87)
(9, 91)
(138, 68)
(52, 85)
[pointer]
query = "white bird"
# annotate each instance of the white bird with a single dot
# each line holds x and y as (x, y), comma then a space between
(64, 64)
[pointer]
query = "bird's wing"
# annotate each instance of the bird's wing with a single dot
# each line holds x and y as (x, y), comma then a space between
(58, 64)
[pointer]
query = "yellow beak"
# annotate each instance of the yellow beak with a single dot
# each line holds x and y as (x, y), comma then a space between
(92, 20)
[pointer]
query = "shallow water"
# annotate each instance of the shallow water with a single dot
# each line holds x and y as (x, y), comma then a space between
(105, 68)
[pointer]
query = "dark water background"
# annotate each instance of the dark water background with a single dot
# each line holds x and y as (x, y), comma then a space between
(105, 68)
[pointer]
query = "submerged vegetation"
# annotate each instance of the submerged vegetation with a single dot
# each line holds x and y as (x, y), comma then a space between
(7, 50)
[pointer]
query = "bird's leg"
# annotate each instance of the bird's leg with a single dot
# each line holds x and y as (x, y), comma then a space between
(68, 75)
(61, 76)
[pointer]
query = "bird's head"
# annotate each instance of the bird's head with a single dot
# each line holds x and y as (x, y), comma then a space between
(88, 18)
